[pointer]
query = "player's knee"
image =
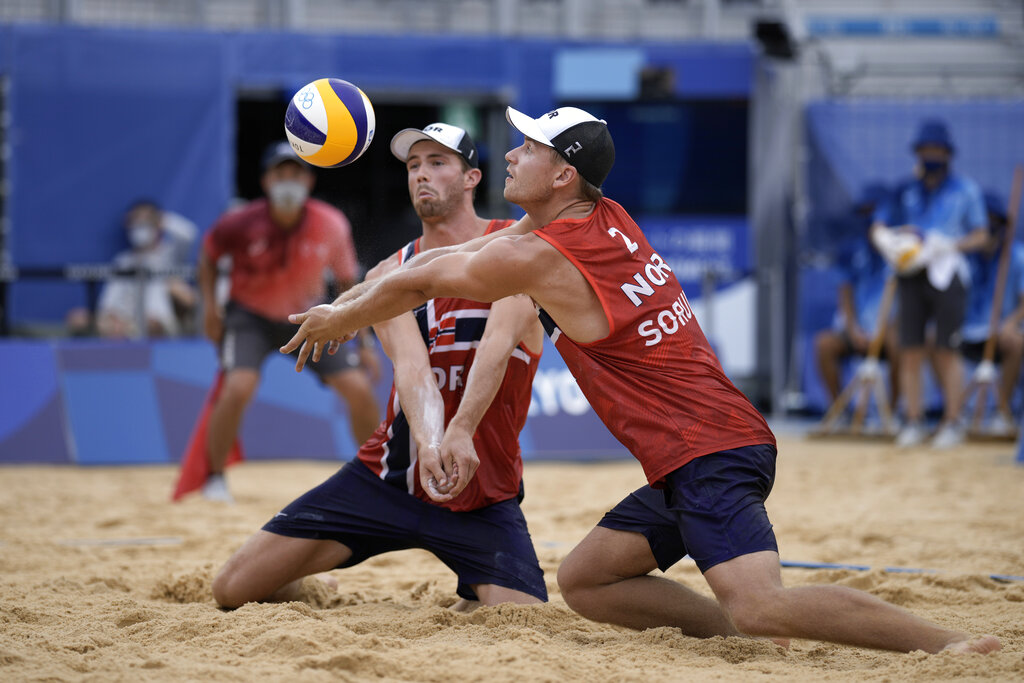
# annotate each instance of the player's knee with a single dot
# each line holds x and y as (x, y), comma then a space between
(825, 345)
(754, 615)
(221, 589)
(237, 391)
(1011, 343)
(574, 582)
(225, 588)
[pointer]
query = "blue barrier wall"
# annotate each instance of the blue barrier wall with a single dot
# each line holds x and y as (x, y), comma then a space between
(99, 403)
(100, 117)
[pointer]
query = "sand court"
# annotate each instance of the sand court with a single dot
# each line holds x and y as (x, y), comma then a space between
(103, 579)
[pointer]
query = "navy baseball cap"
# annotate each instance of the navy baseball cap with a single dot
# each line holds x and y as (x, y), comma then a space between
(933, 132)
(579, 137)
(278, 153)
(454, 138)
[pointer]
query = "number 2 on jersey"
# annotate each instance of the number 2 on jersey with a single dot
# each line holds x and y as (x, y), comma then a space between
(630, 244)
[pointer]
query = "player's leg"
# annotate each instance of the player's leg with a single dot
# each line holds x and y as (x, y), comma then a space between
(355, 389)
(750, 589)
(830, 348)
(270, 567)
(950, 308)
(489, 549)
(343, 521)
(607, 578)
(235, 395)
(892, 354)
(1011, 350)
(718, 501)
(343, 373)
(913, 315)
(246, 342)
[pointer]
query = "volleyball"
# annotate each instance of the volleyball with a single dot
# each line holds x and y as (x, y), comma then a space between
(329, 122)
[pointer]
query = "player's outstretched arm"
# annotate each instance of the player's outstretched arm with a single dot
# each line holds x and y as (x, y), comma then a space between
(420, 400)
(417, 391)
(520, 227)
(511, 321)
(497, 270)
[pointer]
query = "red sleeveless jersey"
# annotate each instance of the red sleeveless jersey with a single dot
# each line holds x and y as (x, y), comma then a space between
(654, 380)
(452, 329)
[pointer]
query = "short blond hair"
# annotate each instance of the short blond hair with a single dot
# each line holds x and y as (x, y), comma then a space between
(588, 190)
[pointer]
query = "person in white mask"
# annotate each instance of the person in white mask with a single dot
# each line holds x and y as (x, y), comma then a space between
(280, 248)
(146, 303)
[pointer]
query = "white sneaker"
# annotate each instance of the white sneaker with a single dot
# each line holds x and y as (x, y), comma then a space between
(216, 489)
(912, 434)
(949, 436)
(1001, 426)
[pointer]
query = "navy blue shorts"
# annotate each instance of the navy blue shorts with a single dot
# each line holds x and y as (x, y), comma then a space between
(711, 509)
(354, 507)
(249, 338)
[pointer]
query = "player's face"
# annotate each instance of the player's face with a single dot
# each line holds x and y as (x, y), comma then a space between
(437, 182)
(932, 152)
(531, 170)
(288, 172)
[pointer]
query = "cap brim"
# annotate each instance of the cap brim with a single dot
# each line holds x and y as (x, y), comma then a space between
(527, 126)
(279, 159)
(405, 139)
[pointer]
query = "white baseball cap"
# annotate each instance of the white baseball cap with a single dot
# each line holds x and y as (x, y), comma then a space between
(580, 138)
(452, 137)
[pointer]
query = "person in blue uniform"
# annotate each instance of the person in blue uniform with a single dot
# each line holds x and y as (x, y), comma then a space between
(1009, 334)
(945, 211)
(864, 273)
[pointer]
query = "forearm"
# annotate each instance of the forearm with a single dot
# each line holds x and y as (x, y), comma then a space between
(485, 377)
(374, 302)
(422, 404)
(351, 292)
(973, 241)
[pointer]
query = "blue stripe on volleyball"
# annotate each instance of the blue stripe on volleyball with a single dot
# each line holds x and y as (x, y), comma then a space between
(301, 127)
(353, 101)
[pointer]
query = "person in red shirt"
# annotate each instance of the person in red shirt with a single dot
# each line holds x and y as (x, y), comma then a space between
(280, 247)
(620, 319)
(463, 372)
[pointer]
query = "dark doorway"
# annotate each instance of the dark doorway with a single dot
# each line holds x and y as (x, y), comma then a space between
(372, 192)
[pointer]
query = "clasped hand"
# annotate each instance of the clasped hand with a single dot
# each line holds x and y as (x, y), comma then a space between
(447, 468)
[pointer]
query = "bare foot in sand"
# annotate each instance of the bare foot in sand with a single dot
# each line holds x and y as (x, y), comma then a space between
(982, 645)
(327, 580)
(464, 606)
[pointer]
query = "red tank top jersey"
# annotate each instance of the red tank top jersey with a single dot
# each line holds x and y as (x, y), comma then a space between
(452, 329)
(275, 272)
(654, 380)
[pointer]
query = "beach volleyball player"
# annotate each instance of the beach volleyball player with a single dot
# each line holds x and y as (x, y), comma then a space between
(618, 316)
(451, 357)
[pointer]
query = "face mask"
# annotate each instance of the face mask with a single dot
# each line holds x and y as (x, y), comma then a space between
(287, 195)
(934, 167)
(142, 235)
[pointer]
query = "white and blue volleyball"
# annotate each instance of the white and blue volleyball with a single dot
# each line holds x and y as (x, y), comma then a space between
(329, 122)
